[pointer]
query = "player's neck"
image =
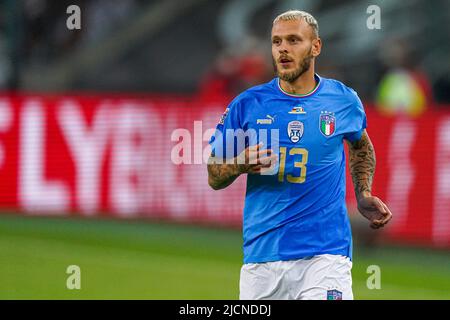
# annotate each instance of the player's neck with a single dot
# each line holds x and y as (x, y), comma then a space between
(302, 85)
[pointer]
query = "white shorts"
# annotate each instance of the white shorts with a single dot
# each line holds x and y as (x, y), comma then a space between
(322, 277)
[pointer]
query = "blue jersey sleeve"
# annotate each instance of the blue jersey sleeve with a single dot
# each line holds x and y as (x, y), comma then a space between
(225, 143)
(357, 118)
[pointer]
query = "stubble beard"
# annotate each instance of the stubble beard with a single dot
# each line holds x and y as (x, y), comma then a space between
(303, 66)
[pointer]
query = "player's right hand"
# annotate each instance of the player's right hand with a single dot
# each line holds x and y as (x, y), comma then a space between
(375, 210)
(254, 159)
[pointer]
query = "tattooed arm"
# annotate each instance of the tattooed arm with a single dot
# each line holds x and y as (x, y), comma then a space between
(252, 160)
(362, 168)
(221, 175)
(362, 165)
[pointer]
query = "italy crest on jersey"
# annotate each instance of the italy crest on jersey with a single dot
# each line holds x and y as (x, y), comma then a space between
(295, 130)
(327, 123)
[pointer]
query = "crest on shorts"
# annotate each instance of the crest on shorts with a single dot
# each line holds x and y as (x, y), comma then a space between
(327, 123)
(295, 130)
(334, 295)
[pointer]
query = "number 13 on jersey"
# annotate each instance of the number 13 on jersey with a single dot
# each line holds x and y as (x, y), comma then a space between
(297, 152)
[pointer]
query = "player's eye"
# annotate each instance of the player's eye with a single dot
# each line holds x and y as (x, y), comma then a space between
(276, 41)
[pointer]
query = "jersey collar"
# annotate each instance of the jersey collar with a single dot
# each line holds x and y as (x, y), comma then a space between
(316, 88)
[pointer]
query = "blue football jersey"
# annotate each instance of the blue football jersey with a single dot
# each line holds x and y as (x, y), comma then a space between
(298, 209)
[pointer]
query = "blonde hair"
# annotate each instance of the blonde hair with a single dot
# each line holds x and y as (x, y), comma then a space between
(297, 15)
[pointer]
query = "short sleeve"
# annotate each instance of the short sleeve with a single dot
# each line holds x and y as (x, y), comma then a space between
(357, 118)
(224, 142)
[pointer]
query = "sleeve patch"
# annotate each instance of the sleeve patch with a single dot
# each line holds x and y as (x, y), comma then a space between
(224, 115)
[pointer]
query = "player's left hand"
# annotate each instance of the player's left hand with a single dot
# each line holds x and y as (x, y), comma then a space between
(375, 210)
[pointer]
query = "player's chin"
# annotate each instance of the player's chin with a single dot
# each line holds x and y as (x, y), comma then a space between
(286, 69)
(287, 75)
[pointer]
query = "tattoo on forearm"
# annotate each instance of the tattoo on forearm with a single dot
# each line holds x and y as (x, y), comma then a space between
(362, 164)
(221, 175)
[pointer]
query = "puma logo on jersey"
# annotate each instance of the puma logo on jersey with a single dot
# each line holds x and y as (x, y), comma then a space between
(269, 120)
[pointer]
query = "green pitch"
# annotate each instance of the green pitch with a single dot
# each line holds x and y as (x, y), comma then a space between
(144, 260)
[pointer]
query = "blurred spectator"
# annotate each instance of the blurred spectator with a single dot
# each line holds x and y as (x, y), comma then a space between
(237, 69)
(441, 86)
(46, 35)
(43, 23)
(5, 63)
(442, 89)
(404, 89)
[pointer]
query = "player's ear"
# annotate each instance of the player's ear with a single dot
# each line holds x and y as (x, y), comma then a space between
(316, 46)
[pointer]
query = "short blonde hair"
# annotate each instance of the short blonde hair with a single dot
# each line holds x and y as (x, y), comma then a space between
(297, 15)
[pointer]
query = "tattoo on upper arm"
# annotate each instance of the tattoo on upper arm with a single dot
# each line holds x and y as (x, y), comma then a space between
(362, 163)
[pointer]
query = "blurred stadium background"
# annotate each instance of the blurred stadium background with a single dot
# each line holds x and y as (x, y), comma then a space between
(92, 122)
